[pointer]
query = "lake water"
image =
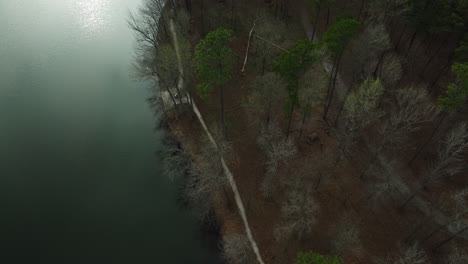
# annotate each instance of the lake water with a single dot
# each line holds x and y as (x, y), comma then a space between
(79, 178)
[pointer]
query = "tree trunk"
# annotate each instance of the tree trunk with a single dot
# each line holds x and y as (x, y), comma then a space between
(316, 22)
(188, 6)
(285, 9)
(423, 185)
(360, 9)
(330, 99)
(434, 55)
(202, 5)
(432, 233)
(328, 17)
(375, 155)
(444, 69)
(444, 115)
(418, 227)
(400, 37)
(379, 63)
(276, 10)
(222, 112)
(413, 37)
(178, 91)
(304, 116)
(445, 241)
(290, 119)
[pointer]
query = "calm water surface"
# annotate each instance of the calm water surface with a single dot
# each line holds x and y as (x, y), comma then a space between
(79, 181)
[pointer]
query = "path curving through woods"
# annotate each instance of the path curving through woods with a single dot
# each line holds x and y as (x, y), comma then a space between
(232, 182)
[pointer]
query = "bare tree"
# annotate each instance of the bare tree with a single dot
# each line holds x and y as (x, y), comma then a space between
(146, 25)
(414, 107)
(271, 30)
(360, 110)
(388, 184)
(299, 212)
(458, 222)
(176, 162)
(391, 70)
(278, 150)
(406, 255)
(207, 180)
(345, 235)
(449, 160)
(457, 256)
(312, 92)
(266, 92)
(237, 249)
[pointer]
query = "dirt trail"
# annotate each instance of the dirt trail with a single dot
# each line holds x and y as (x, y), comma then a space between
(232, 182)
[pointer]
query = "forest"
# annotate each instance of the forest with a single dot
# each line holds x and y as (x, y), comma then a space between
(315, 131)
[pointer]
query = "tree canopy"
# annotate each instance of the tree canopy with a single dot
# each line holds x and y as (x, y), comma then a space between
(457, 92)
(338, 35)
(291, 64)
(214, 60)
(315, 258)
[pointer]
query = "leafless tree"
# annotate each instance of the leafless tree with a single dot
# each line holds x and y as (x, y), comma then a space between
(146, 24)
(449, 160)
(271, 30)
(176, 162)
(360, 110)
(458, 222)
(265, 92)
(457, 256)
(278, 151)
(406, 255)
(388, 184)
(413, 108)
(299, 212)
(345, 235)
(312, 92)
(207, 180)
(237, 249)
(391, 70)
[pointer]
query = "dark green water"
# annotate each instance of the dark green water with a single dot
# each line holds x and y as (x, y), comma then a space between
(79, 181)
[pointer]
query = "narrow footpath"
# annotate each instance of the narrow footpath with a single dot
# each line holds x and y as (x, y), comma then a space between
(232, 182)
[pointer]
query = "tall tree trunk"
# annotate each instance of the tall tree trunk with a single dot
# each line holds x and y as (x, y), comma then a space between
(379, 63)
(375, 155)
(276, 9)
(188, 6)
(328, 17)
(340, 111)
(285, 9)
(316, 22)
(434, 55)
(202, 9)
(432, 234)
(400, 37)
(360, 10)
(290, 119)
(178, 92)
(330, 81)
(330, 99)
(445, 241)
(423, 146)
(304, 116)
(222, 112)
(420, 188)
(417, 228)
(444, 69)
(413, 37)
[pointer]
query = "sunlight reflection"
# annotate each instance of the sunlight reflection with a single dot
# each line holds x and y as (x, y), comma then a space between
(93, 15)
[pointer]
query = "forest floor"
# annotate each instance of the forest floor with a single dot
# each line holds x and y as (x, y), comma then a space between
(381, 228)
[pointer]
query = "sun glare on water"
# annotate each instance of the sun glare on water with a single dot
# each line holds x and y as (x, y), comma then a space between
(93, 14)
